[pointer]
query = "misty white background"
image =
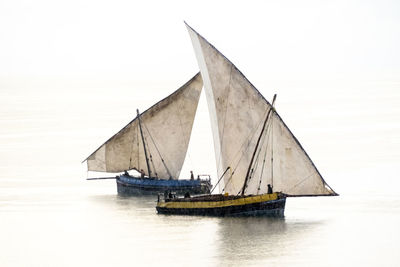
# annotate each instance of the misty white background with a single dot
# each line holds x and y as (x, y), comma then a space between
(334, 65)
(72, 73)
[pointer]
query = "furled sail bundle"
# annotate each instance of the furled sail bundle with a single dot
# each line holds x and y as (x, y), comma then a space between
(237, 113)
(166, 129)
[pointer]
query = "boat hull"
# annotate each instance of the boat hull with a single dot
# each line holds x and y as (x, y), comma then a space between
(128, 185)
(264, 205)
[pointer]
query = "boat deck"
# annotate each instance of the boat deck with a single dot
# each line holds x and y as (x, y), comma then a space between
(222, 205)
(206, 198)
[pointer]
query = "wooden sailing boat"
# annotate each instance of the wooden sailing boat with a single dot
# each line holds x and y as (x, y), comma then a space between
(259, 161)
(150, 150)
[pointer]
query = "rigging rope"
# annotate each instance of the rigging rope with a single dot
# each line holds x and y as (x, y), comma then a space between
(148, 150)
(255, 166)
(130, 156)
(158, 151)
(272, 149)
(265, 156)
(230, 178)
(257, 145)
(247, 141)
(154, 167)
(256, 161)
(219, 179)
(144, 143)
(138, 143)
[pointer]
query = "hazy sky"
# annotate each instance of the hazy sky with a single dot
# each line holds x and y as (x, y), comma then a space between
(145, 38)
(334, 64)
(72, 74)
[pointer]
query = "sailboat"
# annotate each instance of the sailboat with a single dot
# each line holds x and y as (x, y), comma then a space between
(259, 161)
(148, 153)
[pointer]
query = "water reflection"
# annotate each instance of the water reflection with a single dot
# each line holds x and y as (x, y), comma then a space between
(226, 241)
(132, 204)
(255, 240)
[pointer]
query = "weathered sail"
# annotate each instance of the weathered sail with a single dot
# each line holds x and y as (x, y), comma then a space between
(166, 130)
(237, 113)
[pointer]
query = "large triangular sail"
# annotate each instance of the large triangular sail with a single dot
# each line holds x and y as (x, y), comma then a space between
(237, 112)
(166, 129)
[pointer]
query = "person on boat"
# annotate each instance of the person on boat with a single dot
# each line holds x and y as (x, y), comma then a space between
(198, 177)
(191, 175)
(269, 189)
(141, 173)
(126, 173)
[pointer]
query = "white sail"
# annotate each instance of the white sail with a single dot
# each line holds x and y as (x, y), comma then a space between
(166, 128)
(237, 113)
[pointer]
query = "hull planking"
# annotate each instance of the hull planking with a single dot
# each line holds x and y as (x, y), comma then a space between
(129, 185)
(220, 205)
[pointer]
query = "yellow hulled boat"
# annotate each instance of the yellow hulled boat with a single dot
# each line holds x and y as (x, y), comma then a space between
(259, 161)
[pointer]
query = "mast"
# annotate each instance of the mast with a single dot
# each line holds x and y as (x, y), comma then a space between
(168, 124)
(272, 154)
(144, 143)
(229, 96)
(255, 149)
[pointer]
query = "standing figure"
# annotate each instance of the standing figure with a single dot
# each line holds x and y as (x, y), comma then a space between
(269, 189)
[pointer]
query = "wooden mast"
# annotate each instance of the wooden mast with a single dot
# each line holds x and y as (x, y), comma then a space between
(144, 143)
(255, 149)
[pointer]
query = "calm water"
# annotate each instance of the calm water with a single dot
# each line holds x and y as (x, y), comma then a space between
(51, 216)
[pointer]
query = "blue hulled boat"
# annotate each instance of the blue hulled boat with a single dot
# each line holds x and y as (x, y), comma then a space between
(153, 145)
(130, 185)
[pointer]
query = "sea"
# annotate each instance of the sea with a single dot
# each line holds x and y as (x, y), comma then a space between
(50, 215)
